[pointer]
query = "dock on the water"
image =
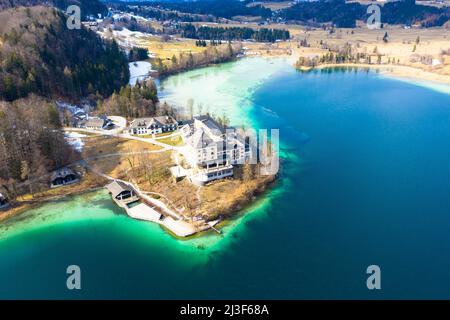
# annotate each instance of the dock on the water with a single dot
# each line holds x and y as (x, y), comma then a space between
(142, 207)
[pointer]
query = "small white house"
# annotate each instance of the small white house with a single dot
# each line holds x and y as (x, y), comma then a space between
(62, 177)
(3, 202)
(154, 125)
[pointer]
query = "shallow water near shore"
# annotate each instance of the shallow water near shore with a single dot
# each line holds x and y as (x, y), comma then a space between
(365, 180)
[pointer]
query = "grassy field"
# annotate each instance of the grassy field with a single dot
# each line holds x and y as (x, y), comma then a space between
(173, 141)
(403, 46)
(124, 154)
(165, 134)
(228, 196)
(274, 6)
(166, 50)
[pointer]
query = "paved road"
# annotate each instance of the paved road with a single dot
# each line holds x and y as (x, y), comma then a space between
(114, 133)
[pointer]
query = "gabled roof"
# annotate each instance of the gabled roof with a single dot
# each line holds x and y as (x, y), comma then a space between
(209, 123)
(157, 121)
(79, 113)
(117, 187)
(166, 120)
(3, 201)
(200, 139)
(202, 131)
(61, 173)
(95, 122)
(143, 122)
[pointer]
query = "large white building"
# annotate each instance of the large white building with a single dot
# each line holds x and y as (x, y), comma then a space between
(211, 150)
(155, 125)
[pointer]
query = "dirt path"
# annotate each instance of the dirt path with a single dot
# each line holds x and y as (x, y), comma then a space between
(114, 133)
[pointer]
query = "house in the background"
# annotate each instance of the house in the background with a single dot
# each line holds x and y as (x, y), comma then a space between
(3, 202)
(99, 123)
(211, 150)
(62, 177)
(79, 119)
(153, 125)
(80, 114)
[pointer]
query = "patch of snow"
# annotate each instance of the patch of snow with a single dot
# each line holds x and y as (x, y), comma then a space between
(74, 139)
(436, 62)
(120, 122)
(125, 37)
(72, 108)
(128, 33)
(140, 18)
(139, 70)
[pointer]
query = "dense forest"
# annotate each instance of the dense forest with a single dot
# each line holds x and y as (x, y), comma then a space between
(407, 12)
(161, 14)
(30, 145)
(88, 7)
(334, 11)
(233, 33)
(337, 12)
(132, 102)
(39, 54)
(42, 60)
(137, 54)
(185, 61)
(344, 14)
(218, 8)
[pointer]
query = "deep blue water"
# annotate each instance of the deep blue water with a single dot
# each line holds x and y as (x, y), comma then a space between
(373, 186)
(365, 180)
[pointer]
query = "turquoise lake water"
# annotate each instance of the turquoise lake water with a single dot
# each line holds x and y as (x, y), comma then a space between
(365, 180)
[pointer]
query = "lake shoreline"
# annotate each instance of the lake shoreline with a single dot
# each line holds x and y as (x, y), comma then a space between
(357, 163)
(230, 213)
(394, 71)
(398, 72)
(20, 208)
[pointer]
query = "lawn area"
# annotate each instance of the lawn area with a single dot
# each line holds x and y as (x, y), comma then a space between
(274, 6)
(173, 141)
(106, 145)
(159, 135)
(165, 134)
(145, 136)
(125, 154)
(166, 50)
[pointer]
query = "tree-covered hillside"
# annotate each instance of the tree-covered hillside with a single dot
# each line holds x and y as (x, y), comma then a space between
(30, 142)
(337, 12)
(88, 7)
(233, 33)
(219, 8)
(39, 54)
(344, 14)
